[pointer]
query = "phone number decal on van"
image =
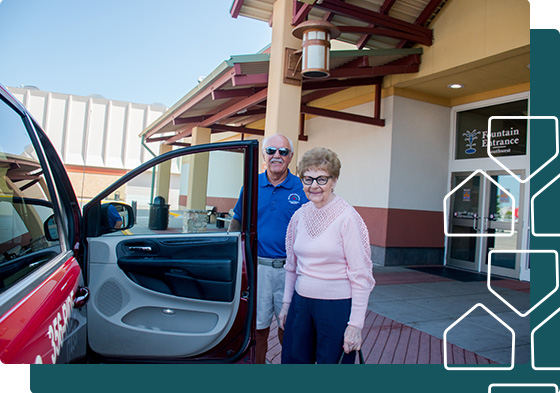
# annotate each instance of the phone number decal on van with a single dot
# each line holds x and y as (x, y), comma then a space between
(57, 329)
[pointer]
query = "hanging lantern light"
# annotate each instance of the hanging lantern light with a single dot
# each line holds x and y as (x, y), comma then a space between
(316, 36)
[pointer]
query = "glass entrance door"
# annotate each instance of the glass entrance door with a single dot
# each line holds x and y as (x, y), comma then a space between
(466, 204)
(499, 218)
(482, 208)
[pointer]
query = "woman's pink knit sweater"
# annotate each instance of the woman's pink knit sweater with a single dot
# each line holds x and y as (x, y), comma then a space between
(328, 256)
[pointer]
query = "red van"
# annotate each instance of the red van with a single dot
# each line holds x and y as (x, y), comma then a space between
(77, 287)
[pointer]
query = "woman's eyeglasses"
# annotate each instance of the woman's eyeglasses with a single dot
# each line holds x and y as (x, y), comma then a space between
(272, 150)
(321, 180)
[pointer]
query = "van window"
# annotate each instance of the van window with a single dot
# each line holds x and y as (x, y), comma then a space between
(25, 205)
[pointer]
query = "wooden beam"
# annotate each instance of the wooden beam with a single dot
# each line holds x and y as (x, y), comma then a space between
(328, 16)
(358, 62)
(216, 128)
(306, 99)
(192, 102)
(423, 17)
(407, 60)
(383, 9)
(427, 12)
(186, 120)
(223, 94)
(156, 139)
(244, 80)
(252, 112)
(386, 6)
(238, 107)
(372, 17)
(236, 8)
(183, 133)
(300, 13)
(377, 107)
(335, 84)
(369, 31)
(373, 71)
(302, 136)
(310, 110)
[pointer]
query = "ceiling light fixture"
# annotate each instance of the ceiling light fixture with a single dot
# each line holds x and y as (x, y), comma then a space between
(455, 86)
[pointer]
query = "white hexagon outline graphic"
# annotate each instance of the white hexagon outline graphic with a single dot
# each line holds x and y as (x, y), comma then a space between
(488, 278)
(522, 385)
(446, 215)
(527, 118)
(533, 210)
(479, 368)
(533, 344)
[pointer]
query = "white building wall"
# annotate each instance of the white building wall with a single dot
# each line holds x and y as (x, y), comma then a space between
(364, 151)
(92, 131)
(420, 151)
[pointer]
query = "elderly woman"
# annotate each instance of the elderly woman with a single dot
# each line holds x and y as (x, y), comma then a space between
(328, 270)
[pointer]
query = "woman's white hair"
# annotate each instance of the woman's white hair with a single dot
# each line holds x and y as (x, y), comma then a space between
(266, 140)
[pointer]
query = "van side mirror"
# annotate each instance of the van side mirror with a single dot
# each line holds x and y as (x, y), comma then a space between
(50, 229)
(116, 216)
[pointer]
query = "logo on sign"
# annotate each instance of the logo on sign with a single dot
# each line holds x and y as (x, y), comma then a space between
(470, 137)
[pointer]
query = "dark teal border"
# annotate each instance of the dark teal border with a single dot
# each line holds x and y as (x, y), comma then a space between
(545, 87)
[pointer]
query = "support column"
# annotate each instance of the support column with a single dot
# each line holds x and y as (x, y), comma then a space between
(163, 179)
(198, 171)
(283, 100)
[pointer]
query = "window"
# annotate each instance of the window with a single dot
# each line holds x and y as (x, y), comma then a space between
(508, 138)
(25, 206)
(190, 194)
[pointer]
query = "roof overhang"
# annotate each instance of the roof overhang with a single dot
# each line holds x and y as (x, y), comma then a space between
(234, 94)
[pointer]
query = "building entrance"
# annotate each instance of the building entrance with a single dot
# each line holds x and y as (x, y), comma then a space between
(484, 214)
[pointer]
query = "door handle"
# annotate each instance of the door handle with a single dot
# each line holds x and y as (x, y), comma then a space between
(81, 297)
(140, 248)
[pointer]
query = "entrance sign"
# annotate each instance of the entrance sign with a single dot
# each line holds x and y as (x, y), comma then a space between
(506, 119)
(509, 138)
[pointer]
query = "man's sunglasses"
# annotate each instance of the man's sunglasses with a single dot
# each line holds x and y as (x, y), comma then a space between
(272, 150)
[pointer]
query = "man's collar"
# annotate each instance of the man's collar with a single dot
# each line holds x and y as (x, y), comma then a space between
(287, 183)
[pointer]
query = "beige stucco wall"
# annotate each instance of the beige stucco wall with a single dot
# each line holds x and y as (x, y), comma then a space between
(364, 151)
(419, 154)
(469, 31)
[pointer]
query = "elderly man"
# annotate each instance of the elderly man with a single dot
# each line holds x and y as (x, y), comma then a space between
(280, 195)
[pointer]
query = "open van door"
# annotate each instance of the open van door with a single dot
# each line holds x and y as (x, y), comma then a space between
(170, 283)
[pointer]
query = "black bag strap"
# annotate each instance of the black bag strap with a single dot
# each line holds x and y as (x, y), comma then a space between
(360, 355)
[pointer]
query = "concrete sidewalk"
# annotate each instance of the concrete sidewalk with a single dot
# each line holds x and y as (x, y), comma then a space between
(410, 309)
(433, 302)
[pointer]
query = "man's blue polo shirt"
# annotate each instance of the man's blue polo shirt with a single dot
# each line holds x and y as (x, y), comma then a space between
(276, 206)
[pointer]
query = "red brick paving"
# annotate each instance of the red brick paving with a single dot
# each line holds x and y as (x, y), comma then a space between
(390, 342)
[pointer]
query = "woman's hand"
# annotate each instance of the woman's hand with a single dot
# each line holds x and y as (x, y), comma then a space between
(282, 315)
(352, 339)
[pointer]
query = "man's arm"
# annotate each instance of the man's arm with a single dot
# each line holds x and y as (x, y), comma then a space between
(234, 225)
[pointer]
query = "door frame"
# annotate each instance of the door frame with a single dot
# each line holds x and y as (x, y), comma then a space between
(483, 265)
(248, 238)
(516, 163)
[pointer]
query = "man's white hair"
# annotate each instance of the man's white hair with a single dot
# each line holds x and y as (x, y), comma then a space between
(266, 140)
